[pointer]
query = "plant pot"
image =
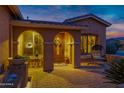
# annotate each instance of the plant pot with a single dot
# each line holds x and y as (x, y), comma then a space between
(17, 61)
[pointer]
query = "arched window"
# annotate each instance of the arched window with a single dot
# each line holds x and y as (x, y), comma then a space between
(30, 43)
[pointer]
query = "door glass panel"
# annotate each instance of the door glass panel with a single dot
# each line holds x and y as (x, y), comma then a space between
(85, 44)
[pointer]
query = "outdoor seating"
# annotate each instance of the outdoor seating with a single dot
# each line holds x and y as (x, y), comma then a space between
(96, 54)
(35, 62)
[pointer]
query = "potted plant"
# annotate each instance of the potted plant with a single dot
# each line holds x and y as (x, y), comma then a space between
(115, 72)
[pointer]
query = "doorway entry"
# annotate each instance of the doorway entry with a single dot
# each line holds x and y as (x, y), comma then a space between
(30, 45)
(63, 48)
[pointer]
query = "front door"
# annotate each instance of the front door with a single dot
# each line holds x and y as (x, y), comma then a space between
(59, 48)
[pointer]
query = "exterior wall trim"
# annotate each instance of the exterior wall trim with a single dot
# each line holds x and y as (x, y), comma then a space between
(40, 25)
(48, 43)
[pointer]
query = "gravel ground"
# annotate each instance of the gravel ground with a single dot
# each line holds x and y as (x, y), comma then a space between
(67, 77)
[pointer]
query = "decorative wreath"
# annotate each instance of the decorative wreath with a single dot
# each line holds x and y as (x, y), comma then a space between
(57, 43)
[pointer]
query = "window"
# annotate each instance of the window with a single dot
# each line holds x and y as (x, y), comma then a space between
(87, 42)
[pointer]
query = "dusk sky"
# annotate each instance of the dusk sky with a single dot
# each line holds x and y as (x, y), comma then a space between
(112, 14)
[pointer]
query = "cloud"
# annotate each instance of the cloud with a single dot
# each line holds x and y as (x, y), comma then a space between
(112, 14)
(53, 12)
(114, 34)
(119, 27)
(116, 30)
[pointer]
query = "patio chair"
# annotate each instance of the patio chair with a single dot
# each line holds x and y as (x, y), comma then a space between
(96, 53)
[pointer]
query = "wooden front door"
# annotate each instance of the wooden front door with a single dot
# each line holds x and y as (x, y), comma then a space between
(87, 42)
(59, 48)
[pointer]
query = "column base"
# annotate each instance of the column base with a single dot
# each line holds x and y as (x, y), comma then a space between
(76, 67)
(48, 70)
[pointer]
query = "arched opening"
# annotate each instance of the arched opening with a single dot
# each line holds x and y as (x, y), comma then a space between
(63, 48)
(30, 45)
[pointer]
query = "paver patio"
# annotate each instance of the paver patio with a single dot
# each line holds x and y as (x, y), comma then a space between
(67, 77)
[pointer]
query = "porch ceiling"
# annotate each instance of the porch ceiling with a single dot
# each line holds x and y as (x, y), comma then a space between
(22, 23)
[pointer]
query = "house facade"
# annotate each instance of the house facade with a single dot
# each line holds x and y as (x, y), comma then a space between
(49, 42)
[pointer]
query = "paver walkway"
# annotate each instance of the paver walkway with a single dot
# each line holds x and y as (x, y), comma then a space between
(67, 77)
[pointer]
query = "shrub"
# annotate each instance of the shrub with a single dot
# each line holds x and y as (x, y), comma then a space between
(115, 72)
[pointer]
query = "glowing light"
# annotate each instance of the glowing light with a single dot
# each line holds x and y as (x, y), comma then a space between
(29, 45)
(64, 47)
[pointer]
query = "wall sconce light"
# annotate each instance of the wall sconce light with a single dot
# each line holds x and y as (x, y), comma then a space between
(29, 45)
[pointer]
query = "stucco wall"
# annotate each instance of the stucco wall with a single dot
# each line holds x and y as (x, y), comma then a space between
(4, 34)
(97, 28)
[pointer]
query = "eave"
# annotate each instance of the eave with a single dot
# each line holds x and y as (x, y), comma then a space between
(88, 16)
(15, 11)
(19, 23)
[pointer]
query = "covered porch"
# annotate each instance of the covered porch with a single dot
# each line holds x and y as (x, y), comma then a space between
(46, 44)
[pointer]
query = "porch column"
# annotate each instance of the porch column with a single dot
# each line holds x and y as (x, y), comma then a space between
(11, 42)
(76, 54)
(15, 49)
(48, 56)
